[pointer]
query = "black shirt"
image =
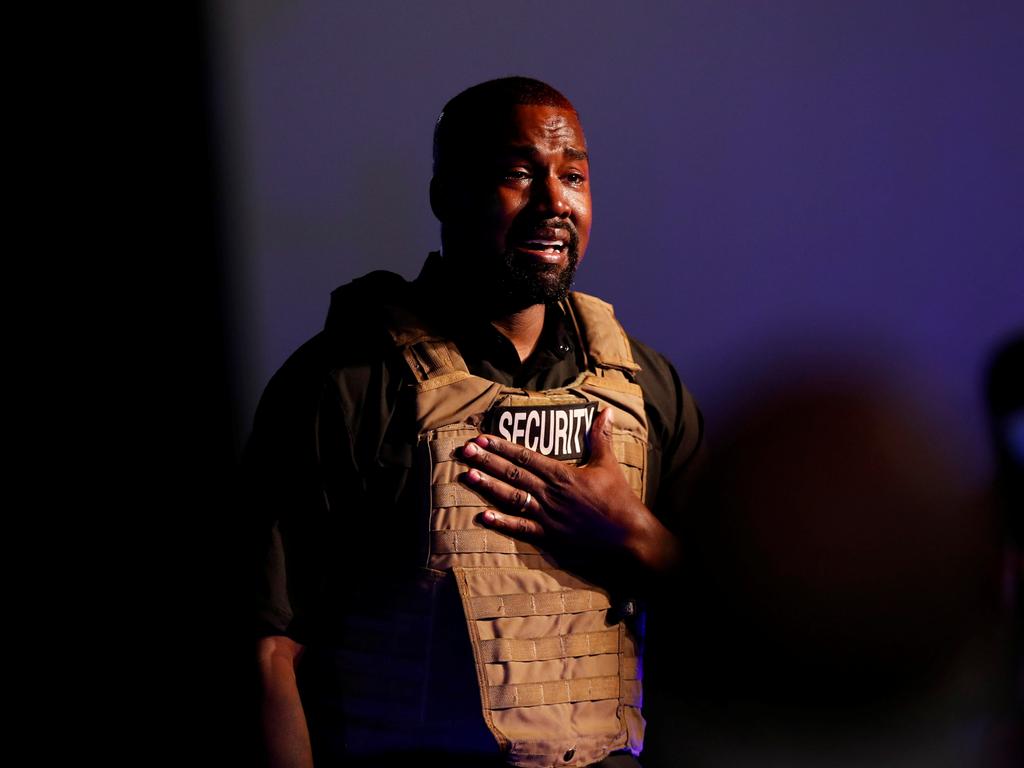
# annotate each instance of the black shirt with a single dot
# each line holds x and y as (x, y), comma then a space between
(332, 443)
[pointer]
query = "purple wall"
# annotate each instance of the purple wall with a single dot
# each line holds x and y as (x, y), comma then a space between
(769, 178)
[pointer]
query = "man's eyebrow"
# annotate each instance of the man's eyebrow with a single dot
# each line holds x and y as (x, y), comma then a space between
(528, 150)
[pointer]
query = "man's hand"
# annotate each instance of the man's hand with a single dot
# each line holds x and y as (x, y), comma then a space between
(588, 508)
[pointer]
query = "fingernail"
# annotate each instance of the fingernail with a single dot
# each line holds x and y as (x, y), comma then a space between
(470, 450)
(488, 516)
(483, 441)
(473, 476)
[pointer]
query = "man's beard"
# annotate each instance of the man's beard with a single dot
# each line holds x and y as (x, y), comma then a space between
(518, 283)
(511, 281)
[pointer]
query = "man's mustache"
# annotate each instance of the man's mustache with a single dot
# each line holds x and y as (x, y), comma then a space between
(533, 229)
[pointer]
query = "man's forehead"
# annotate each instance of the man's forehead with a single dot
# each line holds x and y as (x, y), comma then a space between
(526, 126)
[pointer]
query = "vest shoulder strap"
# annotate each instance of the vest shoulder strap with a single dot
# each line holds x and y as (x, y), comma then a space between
(604, 340)
(433, 357)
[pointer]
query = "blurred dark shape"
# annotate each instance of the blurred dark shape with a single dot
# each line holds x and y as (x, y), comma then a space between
(1005, 396)
(840, 600)
(1005, 399)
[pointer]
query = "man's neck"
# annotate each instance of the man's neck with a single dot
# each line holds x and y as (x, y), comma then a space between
(523, 328)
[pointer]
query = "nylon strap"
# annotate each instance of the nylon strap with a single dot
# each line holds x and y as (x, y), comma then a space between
(633, 478)
(632, 693)
(606, 342)
(611, 382)
(629, 667)
(450, 541)
(537, 604)
(455, 495)
(544, 648)
(632, 454)
(431, 359)
(443, 448)
(553, 692)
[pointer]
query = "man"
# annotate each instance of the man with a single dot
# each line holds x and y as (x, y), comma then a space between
(448, 573)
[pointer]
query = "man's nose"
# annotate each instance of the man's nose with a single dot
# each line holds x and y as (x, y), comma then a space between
(549, 196)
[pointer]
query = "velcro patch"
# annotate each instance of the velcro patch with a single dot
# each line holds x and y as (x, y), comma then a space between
(558, 431)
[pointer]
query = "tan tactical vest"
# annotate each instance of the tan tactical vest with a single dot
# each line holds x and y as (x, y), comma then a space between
(559, 676)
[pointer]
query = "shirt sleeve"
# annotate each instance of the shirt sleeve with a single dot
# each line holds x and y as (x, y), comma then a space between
(676, 433)
(282, 499)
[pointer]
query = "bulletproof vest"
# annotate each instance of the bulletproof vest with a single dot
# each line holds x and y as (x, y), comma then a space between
(489, 640)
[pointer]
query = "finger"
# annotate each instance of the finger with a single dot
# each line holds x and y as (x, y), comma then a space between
(513, 525)
(544, 469)
(600, 437)
(498, 467)
(514, 500)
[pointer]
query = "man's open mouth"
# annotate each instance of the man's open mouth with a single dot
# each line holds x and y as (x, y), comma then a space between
(547, 241)
(543, 246)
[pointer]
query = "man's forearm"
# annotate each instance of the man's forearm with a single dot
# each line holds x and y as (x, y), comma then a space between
(653, 548)
(283, 722)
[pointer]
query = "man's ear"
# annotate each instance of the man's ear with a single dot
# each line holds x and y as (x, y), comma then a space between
(438, 199)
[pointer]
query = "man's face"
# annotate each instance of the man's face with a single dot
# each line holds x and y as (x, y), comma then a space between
(519, 220)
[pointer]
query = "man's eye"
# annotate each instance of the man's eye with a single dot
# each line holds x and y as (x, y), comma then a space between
(516, 174)
(575, 178)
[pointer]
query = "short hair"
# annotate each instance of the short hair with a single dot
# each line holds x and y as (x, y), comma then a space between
(489, 99)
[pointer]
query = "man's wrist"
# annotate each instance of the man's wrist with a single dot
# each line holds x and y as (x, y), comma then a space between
(652, 547)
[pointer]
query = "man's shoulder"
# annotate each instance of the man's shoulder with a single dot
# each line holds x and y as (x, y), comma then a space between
(366, 299)
(663, 389)
(674, 418)
(651, 360)
(354, 337)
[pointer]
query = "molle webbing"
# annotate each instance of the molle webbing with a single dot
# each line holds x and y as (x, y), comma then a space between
(554, 692)
(541, 648)
(477, 540)
(624, 686)
(544, 604)
(556, 675)
(455, 495)
(432, 358)
(632, 454)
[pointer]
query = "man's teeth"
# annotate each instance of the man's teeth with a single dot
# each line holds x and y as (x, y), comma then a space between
(548, 246)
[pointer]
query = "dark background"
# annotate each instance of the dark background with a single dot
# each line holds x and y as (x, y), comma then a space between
(788, 189)
(768, 177)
